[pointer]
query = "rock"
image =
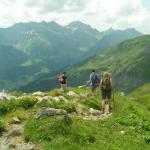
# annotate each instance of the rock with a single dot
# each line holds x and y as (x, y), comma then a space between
(23, 97)
(122, 132)
(81, 86)
(43, 101)
(80, 109)
(61, 98)
(122, 94)
(32, 148)
(38, 98)
(94, 112)
(12, 146)
(56, 99)
(73, 94)
(4, 96)
(14, 132)
(38, 93)
(50, 112)
(15, 120)
(85, 95)
(67, 120)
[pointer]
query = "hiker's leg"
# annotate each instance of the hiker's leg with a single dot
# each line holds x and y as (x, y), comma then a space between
(103, 100)
(109, 100)
(103, 106)
(107, 106)
(65, 87)
(106, 103)
(93, 90)
(62, 88)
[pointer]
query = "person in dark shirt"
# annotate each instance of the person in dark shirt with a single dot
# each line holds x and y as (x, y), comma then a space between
(63, 82)
(94, 82)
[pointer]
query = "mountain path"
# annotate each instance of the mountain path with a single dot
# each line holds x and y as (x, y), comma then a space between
(13, 139)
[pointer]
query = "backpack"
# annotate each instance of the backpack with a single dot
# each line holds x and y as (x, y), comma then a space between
(106, 84)
(61, 79)
(94, 79)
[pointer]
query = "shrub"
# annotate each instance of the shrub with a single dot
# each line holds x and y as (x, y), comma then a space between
(2, 128)
(8, 106)
(49, 128)
(26, 103)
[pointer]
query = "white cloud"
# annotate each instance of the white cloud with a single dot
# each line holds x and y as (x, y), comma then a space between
(101, 14)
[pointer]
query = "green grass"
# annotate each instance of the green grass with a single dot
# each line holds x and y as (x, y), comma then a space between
(12, 105)
(54, 133)
(2, 127)
(128, 116)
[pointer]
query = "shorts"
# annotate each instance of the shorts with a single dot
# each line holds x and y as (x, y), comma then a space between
(106, 94)
(93, 87)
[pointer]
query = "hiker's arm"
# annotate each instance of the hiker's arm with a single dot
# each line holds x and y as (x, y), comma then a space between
(66, 81)
(111, 83)
(100, 84)
(90, 77)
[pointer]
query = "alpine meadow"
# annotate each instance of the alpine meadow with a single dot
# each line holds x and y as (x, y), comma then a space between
(74, 75)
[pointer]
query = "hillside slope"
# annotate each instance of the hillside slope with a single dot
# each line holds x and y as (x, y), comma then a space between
(127, 128)
(128, 62)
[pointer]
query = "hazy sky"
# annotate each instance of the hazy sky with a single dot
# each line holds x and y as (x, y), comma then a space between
(101, 14)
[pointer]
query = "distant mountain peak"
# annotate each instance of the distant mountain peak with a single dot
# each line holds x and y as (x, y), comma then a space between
(79, 24)
(111, 29)
(75, 23)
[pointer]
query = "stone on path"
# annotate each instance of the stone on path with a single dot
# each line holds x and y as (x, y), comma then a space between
(50, 112)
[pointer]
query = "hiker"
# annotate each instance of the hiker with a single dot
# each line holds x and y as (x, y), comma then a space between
(94, 82)
(106, 89)
(63, 81)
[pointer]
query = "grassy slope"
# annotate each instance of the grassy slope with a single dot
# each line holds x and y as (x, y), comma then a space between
(128, 62)
(52, 133)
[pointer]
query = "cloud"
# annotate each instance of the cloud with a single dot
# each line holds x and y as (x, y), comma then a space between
(101, 14)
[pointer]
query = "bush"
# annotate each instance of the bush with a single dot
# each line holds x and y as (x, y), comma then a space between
(26, 103)
(50, 128)
(8, 106)
(17, 93)
(2, 128)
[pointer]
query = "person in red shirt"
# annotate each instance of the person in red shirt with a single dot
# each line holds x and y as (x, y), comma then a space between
(63, 82)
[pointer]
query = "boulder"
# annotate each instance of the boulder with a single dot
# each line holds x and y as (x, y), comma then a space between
(50, 112)
(81, 86)
(23, 97)
(56, 99)
(84, 95)
(4, 96)
(94, 112)
(15, 120)
(61, 98)
(14, 132)
(122, 94)
(44, 100)
(38, 93)
(80, 109)
(73, 94)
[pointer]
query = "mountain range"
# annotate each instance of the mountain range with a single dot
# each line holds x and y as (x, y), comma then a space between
(32, 50)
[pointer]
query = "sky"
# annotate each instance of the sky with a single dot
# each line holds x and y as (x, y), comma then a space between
(100, 14)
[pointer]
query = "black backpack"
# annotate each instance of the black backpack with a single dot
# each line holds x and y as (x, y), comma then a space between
(95, 79)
